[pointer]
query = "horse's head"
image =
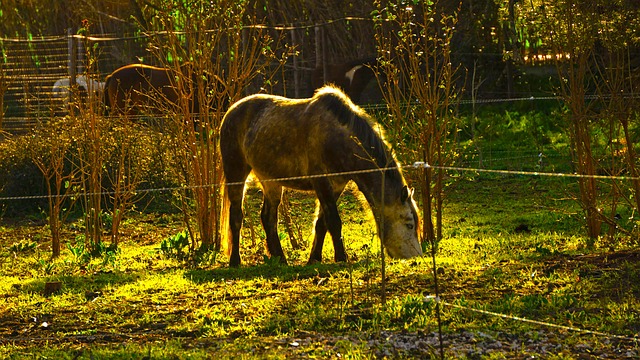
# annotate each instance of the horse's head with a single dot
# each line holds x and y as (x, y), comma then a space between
(402, 227)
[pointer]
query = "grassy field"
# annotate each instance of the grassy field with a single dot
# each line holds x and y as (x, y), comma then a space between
(513, 245)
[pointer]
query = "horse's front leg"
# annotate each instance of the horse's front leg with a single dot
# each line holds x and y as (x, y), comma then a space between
(328, 219)
(269, 218)
(318, 240)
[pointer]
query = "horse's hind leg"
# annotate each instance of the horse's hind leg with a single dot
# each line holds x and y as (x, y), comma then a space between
(320, 232)
(269, 216)
(235, 176)
(235, 193)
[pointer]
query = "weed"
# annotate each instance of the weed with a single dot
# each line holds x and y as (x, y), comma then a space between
(23, 246)
(78, 251)
(83, 256)
(176, 246)
(47, 267)
(206, 255)
(413, 312)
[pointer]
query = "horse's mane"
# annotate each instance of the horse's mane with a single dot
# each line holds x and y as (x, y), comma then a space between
(360, 124)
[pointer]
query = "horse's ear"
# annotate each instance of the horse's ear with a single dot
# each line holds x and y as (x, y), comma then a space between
(406, 193)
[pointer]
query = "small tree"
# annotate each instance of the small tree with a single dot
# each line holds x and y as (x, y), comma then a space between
(417, 78)
(223, 54)
(124, 167)
(51, 157)
(574, 33)
(617, 87)
(91, 150)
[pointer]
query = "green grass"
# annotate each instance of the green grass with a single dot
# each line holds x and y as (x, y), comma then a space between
(513, 245)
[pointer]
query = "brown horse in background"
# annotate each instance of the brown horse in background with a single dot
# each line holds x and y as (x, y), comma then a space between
(296, 143)
(138, 89)
(352, 77)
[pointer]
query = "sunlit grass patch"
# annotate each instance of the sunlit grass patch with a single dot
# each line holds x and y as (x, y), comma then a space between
(514, 259)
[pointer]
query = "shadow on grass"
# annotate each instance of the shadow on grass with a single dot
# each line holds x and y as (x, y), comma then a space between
(77, 284)
(269, 270)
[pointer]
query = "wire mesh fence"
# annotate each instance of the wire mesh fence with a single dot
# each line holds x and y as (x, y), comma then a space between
(38, 71)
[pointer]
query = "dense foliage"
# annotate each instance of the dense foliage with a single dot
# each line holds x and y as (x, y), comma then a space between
(489, 32)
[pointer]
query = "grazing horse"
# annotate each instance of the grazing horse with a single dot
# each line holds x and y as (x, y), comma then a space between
(138, 89)
(62, 89)
(317, 144)
(352, 77)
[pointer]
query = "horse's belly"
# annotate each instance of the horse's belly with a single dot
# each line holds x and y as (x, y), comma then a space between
(271, 165)
(279, 152)
(289, 180)
(283, 164)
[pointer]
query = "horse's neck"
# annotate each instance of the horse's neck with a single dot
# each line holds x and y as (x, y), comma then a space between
(378, 189)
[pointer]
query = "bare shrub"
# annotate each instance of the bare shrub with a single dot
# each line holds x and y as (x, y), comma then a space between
(55, 140)
(217, 54)
(417, 80)
(591, 43)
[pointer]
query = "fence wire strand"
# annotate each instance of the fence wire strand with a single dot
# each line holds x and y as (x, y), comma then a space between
(415, 165)
(530, 321)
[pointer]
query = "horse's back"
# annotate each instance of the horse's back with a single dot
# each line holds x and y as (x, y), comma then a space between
(280, 137)
(262, 126)
(139, 76)
(134, 83)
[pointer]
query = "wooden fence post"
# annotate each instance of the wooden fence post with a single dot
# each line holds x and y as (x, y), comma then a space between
(296, 75)
(321, 52)
(72, 50)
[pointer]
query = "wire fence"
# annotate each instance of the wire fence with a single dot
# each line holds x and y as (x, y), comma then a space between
(536, 322)
(34, 66)
(415, 165)
(408, 167)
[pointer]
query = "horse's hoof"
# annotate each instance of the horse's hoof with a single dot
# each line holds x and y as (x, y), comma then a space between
(234, 263)
(314, 261)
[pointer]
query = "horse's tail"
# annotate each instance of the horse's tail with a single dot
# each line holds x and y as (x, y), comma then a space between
(225, 229)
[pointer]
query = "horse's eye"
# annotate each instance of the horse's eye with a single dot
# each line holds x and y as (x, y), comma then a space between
(410, 226)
